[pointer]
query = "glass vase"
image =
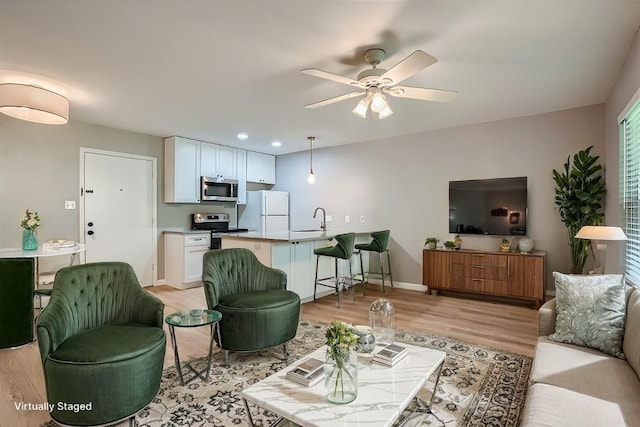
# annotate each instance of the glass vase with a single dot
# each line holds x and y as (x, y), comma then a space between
(341, 378)
(381, 320)
(29, 240)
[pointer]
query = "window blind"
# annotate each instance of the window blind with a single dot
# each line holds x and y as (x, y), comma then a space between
(630, 190)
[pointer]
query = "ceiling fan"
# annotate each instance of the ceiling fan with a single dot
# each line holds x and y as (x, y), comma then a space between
(375, 82)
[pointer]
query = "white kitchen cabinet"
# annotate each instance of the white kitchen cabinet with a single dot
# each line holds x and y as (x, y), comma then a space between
(261, 168)
(181, 170)
(183, 258)
(298, 261)
(217, 160)
(241, 171)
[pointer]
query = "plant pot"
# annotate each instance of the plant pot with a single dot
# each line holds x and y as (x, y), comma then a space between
(431, 245)
(341, 380)
(29, 240)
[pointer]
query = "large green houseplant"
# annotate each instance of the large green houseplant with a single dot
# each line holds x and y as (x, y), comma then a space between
(580, 192)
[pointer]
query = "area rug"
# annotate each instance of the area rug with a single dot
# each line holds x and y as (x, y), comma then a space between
(479, 386)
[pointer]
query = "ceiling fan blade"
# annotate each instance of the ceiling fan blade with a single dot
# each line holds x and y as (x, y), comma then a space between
(436, 95)
(333, 77)
(335, 99)
(406, 68)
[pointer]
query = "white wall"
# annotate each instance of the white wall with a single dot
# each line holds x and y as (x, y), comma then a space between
(402, 183)
(627, 83)
(39, 170)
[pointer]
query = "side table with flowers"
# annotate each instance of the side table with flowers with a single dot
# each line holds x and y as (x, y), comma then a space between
(29, 223)
(341, 380)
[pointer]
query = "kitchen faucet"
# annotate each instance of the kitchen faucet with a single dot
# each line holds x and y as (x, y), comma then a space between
(323, 224)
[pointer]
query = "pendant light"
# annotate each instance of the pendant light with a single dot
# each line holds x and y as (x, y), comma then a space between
(311, 178)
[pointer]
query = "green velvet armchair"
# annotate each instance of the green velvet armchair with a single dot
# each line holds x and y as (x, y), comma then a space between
(257, 310)
(17, 278)
(101, 343)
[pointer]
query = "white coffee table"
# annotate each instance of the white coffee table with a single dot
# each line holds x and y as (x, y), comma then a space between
(383, 392)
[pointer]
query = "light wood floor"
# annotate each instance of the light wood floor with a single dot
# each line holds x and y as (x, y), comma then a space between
(505, 326)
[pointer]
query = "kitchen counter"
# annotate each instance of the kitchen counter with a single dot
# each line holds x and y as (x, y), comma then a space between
(288, 236)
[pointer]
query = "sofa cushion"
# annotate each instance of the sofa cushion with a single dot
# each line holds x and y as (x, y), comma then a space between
(548, 406)
(590, 311)
(109, 343)
(583, 370)
(631, 342)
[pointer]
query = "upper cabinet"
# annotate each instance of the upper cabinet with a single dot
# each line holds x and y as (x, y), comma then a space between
(181, 170)
(218, 160)
(261, 168)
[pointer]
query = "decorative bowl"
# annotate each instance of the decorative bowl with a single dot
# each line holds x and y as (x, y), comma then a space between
(196, 312)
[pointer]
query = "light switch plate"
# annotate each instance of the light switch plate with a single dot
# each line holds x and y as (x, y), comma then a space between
(329, 218)
(347, 219)
(69, 204)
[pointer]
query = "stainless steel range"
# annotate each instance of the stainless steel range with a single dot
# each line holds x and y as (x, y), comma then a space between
(216, 223)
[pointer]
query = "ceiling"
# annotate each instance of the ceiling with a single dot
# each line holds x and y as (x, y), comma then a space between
(209, 69)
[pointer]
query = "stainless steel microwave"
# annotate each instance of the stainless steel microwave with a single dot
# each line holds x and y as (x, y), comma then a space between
(219, 189)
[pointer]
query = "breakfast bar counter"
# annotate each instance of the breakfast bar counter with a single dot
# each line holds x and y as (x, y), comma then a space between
(292, 252)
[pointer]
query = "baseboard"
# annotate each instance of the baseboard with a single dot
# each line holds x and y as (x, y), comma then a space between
(160, 282)
(400, 285)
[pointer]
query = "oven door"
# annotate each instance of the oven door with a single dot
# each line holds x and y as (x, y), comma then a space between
(219, 190)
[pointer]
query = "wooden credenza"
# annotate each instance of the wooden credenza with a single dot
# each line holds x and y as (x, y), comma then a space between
(511, 275)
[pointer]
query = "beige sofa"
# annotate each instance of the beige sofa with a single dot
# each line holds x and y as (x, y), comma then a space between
(572, 385)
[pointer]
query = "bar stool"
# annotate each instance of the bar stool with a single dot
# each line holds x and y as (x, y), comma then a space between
(342, 250)
(379, 243)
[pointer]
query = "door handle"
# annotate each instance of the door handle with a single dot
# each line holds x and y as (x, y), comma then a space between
(90, 232)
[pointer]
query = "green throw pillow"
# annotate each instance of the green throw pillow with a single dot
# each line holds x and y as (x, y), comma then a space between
(590, 311)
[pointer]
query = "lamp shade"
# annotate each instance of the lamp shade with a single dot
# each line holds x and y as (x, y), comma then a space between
(33, 104)
(601, 232)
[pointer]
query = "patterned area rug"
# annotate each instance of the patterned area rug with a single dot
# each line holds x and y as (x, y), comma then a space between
(478, 386)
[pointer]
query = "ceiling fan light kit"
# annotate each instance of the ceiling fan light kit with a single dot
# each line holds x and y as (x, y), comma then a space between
(376, 82)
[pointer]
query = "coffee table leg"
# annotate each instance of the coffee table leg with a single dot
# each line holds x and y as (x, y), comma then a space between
(421, 404)
(211, 348)
(246, 407)
(175, 352)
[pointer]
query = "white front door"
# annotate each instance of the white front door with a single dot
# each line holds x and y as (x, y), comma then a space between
(118, 210)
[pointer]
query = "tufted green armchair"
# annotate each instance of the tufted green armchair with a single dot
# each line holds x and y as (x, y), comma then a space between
(257, 310)
(101, 343)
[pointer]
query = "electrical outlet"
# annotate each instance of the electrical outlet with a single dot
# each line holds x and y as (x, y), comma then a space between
(347, 219)
(69, 204)
(362, 218)
(329, 218)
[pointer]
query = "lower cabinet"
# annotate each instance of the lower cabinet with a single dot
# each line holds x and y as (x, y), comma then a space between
(183, 258)
(492, 273)
(261, 249)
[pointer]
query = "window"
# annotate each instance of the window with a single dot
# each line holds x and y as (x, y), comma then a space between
(630, 188)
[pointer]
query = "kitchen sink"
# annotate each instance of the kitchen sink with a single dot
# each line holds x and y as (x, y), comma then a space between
(308, 230)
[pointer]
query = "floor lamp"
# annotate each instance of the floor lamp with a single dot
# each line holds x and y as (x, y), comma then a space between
(600, 233)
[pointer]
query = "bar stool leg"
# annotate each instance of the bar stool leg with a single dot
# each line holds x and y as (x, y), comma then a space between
(381, 270)
(353, 289)
(315, 282)
(389, 264)
(362, 274)
(337, 282)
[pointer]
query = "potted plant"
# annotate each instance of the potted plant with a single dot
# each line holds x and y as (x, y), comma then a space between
(431, 242)
(580, 191)
(449, 244)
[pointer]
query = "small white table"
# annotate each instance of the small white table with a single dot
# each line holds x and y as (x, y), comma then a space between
(383, 392)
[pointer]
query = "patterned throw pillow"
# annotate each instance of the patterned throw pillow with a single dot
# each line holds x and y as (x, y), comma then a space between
(590, 311)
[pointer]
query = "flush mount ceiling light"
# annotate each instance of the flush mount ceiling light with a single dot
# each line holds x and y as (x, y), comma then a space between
(33, 103)
(276, 144)
(242, 136)
(311, 178)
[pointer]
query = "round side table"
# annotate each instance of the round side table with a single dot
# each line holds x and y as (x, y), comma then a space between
(194, 318)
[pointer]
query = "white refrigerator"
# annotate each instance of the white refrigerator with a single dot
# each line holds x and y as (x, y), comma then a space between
(266, 211)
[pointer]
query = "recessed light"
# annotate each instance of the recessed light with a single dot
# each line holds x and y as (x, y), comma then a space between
(242, 136)
(276, 143)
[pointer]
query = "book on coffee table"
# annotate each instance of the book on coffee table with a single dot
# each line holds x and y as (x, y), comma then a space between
(307, 373)
(390, 355)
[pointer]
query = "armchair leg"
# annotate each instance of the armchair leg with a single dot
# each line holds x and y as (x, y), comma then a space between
(286, 353)
(226, 356)
(132, 421)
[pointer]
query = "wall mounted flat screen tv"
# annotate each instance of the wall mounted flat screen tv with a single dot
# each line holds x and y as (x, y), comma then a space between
(495, 206)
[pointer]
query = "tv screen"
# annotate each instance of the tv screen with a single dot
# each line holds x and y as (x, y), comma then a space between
(495, 206)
